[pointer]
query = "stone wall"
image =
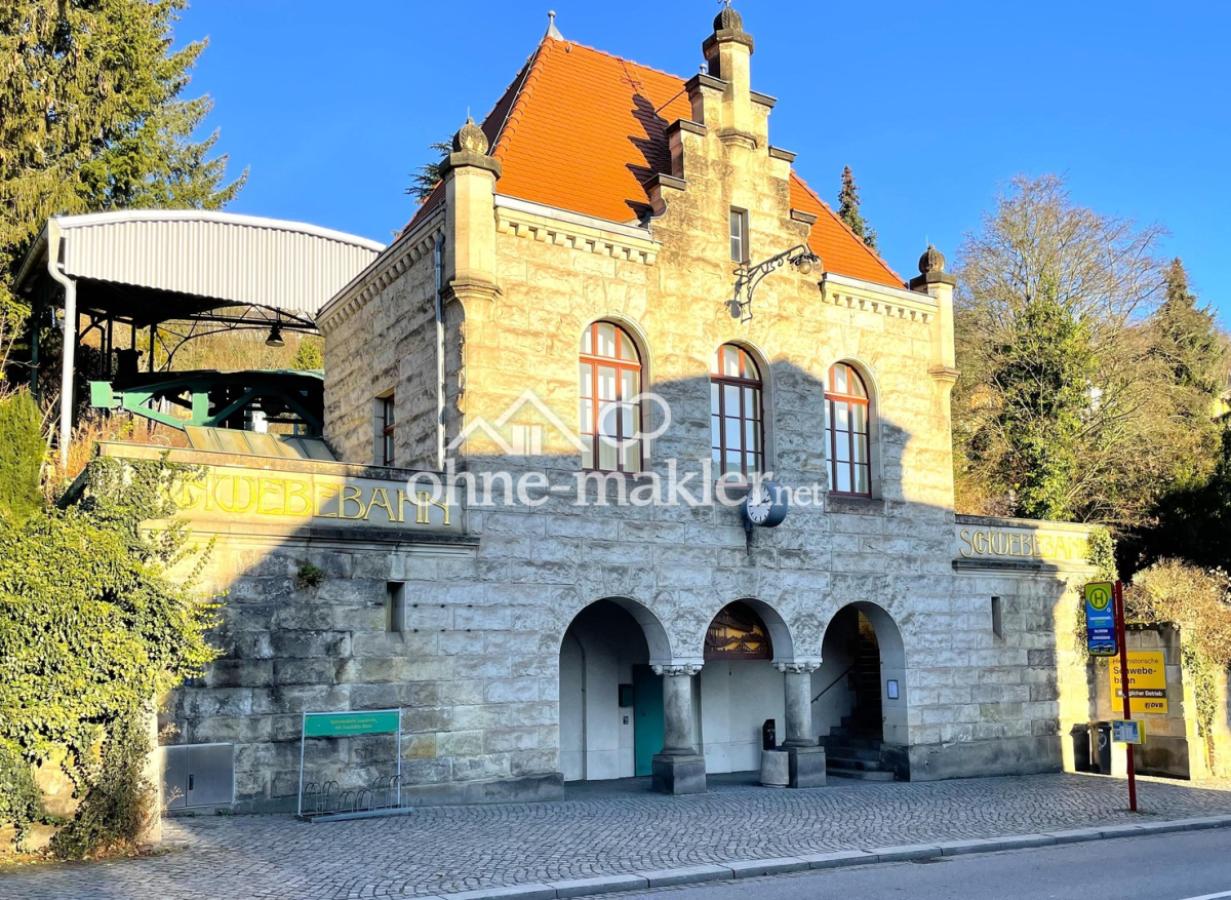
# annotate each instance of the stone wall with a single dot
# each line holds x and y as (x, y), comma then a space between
(382, 339)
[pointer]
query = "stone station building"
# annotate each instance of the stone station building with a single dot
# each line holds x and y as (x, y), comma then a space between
(579, 307)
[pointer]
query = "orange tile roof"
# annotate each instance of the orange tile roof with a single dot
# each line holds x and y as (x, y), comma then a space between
(582, 130)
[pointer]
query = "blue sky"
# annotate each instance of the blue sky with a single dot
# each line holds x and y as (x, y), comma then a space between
(331, 106)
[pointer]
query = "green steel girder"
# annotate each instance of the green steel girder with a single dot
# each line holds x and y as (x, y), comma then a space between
(213, 399)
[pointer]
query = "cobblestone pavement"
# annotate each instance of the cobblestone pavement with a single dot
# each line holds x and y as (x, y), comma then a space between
(595, 830)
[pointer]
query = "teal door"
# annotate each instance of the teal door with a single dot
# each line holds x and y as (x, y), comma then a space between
(647, 717)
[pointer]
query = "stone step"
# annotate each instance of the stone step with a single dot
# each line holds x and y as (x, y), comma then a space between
(835, 761)
(858, 774)
(849, 751)
(837, 736)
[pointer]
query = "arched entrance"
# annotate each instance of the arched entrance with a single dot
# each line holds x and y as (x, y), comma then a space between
(739, 686)
(859, 694)
(611, 702)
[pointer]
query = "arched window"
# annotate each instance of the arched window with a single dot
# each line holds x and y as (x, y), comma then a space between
(609, 377)
(847, 431)
(737, 433)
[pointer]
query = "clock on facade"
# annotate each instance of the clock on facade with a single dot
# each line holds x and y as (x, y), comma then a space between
(765, 505)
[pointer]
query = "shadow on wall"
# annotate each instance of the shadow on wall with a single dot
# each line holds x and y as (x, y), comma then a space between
(465, 634)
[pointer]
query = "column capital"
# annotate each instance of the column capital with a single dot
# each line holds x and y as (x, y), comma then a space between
(800, 667)
(677, 669)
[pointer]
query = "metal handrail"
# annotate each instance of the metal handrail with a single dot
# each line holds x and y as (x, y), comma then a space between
(845, 672)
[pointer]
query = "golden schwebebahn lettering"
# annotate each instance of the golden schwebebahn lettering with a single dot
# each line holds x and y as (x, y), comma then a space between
(1020, 544)
(238, 492)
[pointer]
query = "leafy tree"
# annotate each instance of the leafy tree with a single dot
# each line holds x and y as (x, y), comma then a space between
(423, 182)
(1043, 279)
(848, 209)
(91, 117)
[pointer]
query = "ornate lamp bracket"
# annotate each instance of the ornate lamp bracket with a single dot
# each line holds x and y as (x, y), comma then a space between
(748, 277)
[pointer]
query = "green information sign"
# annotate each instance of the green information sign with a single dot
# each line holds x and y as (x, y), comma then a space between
(350, 724)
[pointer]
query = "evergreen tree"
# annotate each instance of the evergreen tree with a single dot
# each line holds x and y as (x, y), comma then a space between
(1043, 377)
(91, 118)
(423, 182)
(1186, 339)
(848, 209)
(1192, 359)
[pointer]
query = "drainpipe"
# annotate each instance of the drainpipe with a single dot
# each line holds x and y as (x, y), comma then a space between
(54, 242)
(438, 259)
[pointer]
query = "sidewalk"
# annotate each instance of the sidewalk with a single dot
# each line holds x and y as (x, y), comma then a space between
(610, 830)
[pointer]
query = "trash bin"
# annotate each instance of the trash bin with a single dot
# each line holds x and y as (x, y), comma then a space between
(769, 735)
(1100, 747)
(1080, 735)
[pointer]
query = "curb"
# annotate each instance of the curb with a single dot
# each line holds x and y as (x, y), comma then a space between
(644, 880)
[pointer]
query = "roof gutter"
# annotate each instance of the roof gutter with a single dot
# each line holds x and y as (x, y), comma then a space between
(54, 240)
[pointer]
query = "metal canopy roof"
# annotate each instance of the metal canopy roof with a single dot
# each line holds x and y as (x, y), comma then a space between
(149, 266)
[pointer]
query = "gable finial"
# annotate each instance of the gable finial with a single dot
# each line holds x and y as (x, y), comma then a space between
(552, 30)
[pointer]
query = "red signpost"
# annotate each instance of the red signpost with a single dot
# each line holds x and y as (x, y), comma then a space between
(1128, 706)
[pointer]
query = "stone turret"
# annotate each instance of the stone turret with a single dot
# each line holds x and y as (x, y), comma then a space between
(470, 175)
(728, 53)
(934, 281)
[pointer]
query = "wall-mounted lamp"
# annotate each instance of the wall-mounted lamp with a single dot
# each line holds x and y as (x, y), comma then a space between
(747, 277)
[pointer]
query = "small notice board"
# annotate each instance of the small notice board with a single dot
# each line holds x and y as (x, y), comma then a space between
(351, 724)
(1147, 682)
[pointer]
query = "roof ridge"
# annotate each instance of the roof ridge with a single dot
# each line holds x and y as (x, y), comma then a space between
(518, 86)
(837, 218)
(530, 75)
(616, 56)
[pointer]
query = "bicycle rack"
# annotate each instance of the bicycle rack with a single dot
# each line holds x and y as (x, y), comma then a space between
(326, 791)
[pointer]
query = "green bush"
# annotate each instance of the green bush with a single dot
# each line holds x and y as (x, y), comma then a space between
(120, 800)
(21, 462)
(93, 628)
(19, 796)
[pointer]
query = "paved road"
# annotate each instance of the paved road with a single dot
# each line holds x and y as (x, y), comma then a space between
(596, 830)
(1184, 866)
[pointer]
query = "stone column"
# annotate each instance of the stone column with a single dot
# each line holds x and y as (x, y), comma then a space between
(807, 759)
(679, 768)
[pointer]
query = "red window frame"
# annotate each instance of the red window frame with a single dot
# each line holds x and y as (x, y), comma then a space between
(751, 460)
(845, 439)
(591, 363)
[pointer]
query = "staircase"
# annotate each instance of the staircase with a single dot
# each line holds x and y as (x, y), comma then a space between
(853, 750)
(851, 754)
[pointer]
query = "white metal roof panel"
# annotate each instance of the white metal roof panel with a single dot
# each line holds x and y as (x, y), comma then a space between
(234, 258)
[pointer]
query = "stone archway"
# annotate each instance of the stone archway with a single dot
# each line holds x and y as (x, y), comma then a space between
(611, 700)
(859, 694)
(739, 686)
